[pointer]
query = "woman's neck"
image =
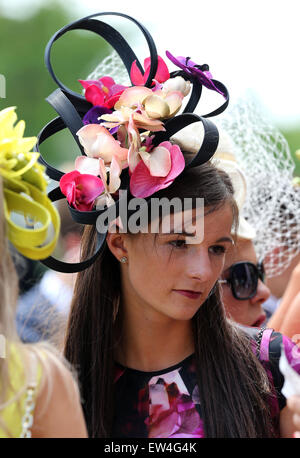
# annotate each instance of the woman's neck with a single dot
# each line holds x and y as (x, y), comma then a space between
(150, 341)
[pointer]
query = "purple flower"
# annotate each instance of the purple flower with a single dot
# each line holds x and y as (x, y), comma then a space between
(91, 116)
(191, 68)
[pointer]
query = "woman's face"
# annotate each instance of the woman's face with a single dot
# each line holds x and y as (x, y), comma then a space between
(247, 312)
(168, 277)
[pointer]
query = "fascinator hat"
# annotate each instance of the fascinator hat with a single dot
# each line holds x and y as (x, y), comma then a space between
(125, 134)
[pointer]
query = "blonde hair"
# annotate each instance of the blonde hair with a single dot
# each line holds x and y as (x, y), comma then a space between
(9, 295)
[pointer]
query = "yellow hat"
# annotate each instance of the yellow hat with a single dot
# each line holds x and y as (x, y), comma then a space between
(24, 191)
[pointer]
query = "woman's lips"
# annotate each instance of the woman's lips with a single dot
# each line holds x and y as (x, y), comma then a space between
(189, 294)
(259, 321)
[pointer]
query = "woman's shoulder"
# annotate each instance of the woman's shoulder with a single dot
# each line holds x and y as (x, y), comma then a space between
(58, 410)
(22, 380)
(44, 389)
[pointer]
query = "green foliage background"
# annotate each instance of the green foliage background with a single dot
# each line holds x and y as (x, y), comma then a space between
(28, 83)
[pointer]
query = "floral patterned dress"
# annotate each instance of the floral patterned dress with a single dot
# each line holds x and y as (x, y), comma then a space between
(165, 403)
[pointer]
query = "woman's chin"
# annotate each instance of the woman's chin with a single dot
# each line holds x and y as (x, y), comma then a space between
(184, 310)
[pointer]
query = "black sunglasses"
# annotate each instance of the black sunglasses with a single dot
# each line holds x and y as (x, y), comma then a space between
(243, 279)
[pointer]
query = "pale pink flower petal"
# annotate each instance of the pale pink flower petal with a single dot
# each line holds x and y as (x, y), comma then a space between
(103, 173)
(88, 138)
(174, 101)
(109, 200)
(178, 162)
(114, 175)
(87, 165)
(98, 142)
(143, 122)
(116, 222)
(133, 96)
(177, 84)
(156, 107)
(143, 184)
(160, 162)
(135, 144)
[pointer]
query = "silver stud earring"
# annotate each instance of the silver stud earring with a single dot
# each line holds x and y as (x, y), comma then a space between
(123, 259)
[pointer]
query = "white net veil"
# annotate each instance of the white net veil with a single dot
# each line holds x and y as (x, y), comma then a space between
(272, 205)
(112, 66)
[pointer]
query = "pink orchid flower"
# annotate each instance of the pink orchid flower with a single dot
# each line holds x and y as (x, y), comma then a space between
(99, 143)
(102, 92)
(81, 190)
(160, 171)
(138, 79)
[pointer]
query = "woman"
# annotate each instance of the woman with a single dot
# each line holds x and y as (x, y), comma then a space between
(294, 404)
(165, 316)
(243, 288)
(286, 317)
(147, 329)
(39, 396)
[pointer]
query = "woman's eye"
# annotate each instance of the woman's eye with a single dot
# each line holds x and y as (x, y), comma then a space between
(178, 243)
(217, 249)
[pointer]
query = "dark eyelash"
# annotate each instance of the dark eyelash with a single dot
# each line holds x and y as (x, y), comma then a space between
(219, 249)
(178, 243)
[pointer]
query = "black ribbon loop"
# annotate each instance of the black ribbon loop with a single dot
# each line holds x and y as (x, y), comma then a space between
(68, 114)
(50, 129)
(210, 140)
(66, 267)
(114, 38)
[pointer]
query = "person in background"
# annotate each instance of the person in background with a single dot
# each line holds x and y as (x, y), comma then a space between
(283, 307)
(42, 312)
(39, 396)
(286, 317)
(243, 289)
(294, 405)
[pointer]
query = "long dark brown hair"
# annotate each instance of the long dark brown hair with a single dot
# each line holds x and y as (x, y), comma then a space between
(233, 386)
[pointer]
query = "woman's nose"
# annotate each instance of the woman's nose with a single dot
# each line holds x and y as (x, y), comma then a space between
(262, 294)
(199, 267)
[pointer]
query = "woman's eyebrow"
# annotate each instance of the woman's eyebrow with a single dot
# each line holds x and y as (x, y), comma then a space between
(225, 239)
(173, 232)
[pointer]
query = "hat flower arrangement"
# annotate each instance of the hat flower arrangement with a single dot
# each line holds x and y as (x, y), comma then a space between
(125, 134)
(118, 132)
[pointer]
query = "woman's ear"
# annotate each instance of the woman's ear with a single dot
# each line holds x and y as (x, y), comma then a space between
(117, 243)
